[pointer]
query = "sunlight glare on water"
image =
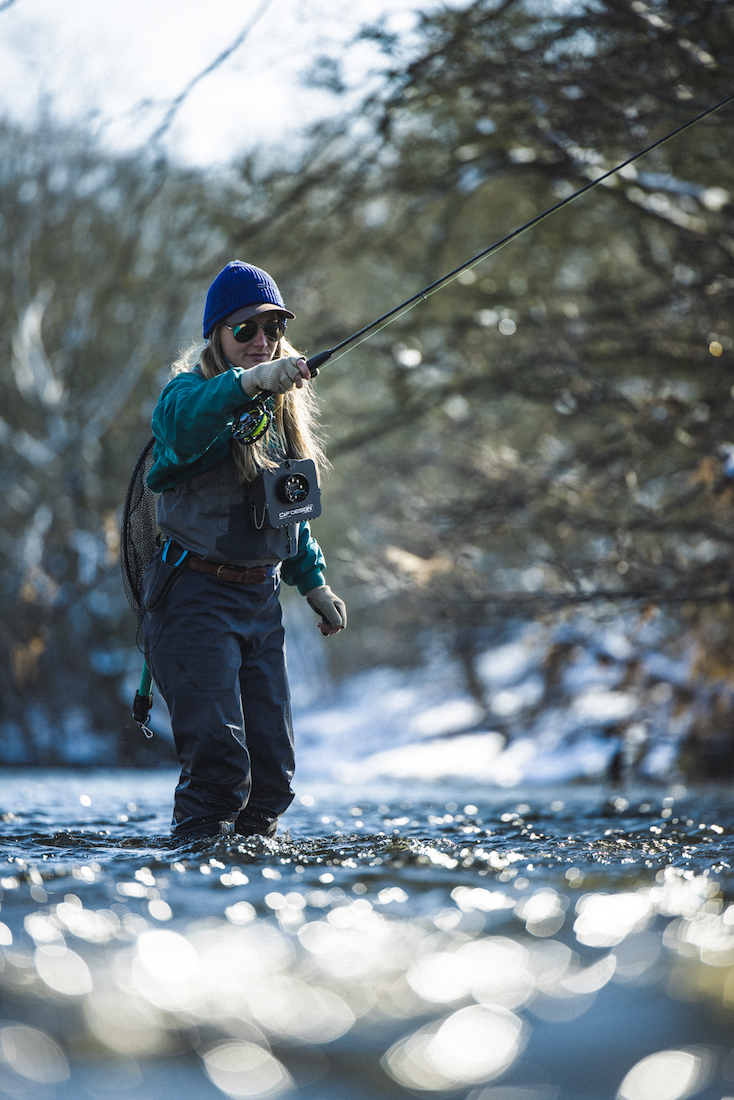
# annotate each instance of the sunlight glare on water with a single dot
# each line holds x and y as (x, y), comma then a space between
(63, 970)
(472, 1045)
(667, 1075)
(33, 1055)
(385, 943)
(605, 920)
(242, 1069)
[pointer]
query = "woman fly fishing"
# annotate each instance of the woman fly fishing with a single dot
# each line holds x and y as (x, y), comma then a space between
(212, 628)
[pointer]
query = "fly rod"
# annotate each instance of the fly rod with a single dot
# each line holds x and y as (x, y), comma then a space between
(253, 421)
(374, 327)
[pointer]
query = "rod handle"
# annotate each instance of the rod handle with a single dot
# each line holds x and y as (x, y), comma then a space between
(141, 708)
(146, 680)
(143, 701)
(317, 361)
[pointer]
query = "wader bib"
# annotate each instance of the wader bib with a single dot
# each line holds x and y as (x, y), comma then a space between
(214, 516)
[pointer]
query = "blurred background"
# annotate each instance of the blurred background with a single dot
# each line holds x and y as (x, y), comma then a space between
(530, 507)
(506, 860)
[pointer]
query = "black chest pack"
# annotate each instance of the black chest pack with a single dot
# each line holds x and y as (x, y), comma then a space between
(286, 495)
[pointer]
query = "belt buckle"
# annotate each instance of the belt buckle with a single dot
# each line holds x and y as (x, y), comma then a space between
(219, 572)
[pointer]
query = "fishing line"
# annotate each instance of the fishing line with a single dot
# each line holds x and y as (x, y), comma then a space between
(386, 319)
(252, 422)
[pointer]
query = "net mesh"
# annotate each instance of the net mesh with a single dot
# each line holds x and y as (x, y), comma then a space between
(139, 535)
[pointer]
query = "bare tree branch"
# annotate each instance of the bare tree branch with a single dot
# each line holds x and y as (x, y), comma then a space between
(219, 60)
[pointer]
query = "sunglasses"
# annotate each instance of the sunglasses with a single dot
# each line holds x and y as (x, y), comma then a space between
(274, 330)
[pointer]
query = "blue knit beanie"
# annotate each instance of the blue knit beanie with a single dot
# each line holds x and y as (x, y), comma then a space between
(238, 285)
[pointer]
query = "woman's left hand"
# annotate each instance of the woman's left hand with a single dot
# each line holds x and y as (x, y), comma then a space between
(332, 610)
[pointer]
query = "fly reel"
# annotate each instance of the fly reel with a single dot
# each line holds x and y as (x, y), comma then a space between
(251, 422)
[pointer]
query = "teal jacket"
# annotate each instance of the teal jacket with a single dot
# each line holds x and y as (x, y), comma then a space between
(192, 425)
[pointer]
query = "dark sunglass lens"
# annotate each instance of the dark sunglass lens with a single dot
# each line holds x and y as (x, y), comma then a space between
(244, 333)
(247, 331)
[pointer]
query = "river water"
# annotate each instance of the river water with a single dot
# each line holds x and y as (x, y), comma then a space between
(393, 941)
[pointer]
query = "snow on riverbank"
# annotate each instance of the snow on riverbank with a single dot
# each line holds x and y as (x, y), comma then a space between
(579, 701)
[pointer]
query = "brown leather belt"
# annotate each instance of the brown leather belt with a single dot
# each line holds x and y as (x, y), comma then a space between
(257, 575)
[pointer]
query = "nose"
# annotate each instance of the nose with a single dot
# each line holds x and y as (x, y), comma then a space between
(260, 340)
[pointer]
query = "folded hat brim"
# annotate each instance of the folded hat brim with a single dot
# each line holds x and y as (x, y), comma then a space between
(245, 312)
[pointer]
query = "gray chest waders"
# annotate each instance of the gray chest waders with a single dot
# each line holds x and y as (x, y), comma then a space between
(277, 501)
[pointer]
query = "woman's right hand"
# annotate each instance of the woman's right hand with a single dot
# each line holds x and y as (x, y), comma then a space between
(277, 376)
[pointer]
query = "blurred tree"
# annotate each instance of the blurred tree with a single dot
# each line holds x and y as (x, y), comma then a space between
(556, 427)
(97, 269)
(104, 265)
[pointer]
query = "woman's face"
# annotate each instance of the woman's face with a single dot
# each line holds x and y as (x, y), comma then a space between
(258, 350)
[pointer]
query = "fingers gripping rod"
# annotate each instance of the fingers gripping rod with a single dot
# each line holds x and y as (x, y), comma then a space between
(374, 327)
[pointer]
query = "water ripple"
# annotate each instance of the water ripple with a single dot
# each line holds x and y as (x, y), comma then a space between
(402, 942)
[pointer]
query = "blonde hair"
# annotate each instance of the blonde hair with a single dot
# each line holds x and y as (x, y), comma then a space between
(294, 430)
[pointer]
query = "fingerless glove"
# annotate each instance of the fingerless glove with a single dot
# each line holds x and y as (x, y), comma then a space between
(277, 376)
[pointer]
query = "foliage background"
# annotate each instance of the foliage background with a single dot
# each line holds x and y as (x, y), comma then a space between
(550, 436)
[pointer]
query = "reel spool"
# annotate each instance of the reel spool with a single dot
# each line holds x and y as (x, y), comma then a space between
(251, 423)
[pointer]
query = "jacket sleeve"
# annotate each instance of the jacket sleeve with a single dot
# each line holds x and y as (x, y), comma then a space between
(192, 412)
(193, 417)
(305, 569)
